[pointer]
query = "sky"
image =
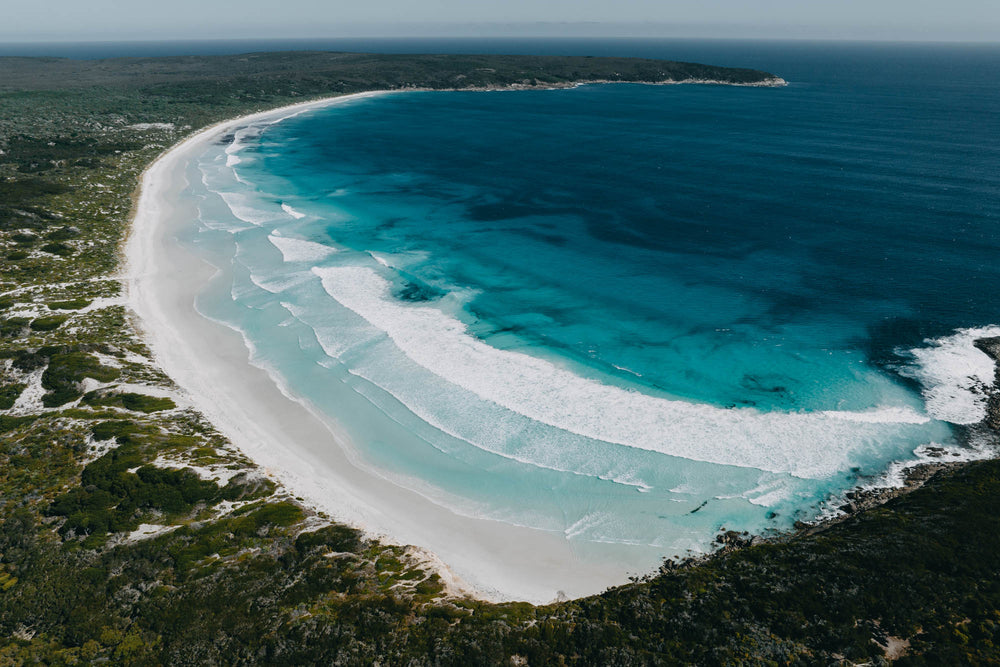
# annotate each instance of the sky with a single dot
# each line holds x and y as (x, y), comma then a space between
(95, 20)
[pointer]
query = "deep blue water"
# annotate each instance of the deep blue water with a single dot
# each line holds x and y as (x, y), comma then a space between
(597, 310)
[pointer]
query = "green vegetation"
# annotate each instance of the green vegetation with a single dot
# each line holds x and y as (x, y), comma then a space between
(246, 78)
(132, 533)
(320, 598)
(48, 323)
(13, 326)
(112, 499)
(9, 393)
(129, 401)
(71, 304)
(60, 249)
(66, 369)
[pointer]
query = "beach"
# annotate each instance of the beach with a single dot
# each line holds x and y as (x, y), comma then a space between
(548, 337)
(291, 442)
(520, 478)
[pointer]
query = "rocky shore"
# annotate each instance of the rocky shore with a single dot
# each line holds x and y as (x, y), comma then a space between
(863, 499)
(991, 347)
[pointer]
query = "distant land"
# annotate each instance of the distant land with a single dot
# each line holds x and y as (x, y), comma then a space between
(133, 532)
(315, 72)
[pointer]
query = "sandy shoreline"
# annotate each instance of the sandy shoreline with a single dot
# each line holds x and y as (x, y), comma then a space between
(300, 449)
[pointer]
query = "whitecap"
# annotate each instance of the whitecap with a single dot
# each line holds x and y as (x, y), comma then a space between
(242, 206)
(282, 282)
(299, 250)
(953, 373)
(298, 215)
(807, 445)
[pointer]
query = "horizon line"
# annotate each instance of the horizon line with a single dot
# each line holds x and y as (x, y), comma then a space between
(11, 41)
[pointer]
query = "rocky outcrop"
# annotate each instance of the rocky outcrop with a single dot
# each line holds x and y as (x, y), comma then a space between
(991, 347)
(860, 500)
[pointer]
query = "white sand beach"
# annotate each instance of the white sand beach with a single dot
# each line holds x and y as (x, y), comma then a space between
(302, 450)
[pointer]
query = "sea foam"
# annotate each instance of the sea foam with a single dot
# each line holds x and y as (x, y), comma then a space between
(245, 207)
(298, 250)
(807, 445)
(298, 215)
(953, 373)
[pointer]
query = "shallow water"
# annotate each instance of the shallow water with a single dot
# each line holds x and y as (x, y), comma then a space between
(630, 314)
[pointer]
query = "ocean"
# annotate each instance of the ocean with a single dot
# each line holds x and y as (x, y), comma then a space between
(630, 315)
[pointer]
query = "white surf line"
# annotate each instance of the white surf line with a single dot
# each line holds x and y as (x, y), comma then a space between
(954, 374)
(142, 246)
(307, 452)
(808, 445)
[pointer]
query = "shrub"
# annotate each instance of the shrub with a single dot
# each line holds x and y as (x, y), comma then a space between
(48, 323)
(58, 248)
(113, 429)
(72, 304)
(62, 234)
(8, 423)
(9, 395)
(143, 403)
(110, 498)
(335, 538)
(66, 371)
(278, 514)
(13, 326)
(24, 239)
(25, 360)
(129, 401)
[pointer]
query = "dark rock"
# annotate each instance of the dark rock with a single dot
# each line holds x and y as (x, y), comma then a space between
(991, 348)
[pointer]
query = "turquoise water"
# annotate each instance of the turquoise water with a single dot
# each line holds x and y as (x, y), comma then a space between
(628, 314)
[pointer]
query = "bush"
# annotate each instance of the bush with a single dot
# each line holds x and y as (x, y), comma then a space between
(24, 239)
(334, 538)
(62, 234)
(16, 192)
(112, 499)
(245, 487)
(8, 424)
(278, 514)
(113, 429)
(66, 371)
(13, 326)
(58, 248)
(9, 394)
(129, 401)
(72, 304)
(143, 403)
(48, 323)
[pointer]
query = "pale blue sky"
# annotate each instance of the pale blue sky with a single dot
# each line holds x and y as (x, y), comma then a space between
(200, 19)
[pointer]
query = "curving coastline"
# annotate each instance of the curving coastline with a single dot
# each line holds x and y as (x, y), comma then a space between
(308, 454)
(916, 574)
(318, 462)
(300, 447)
